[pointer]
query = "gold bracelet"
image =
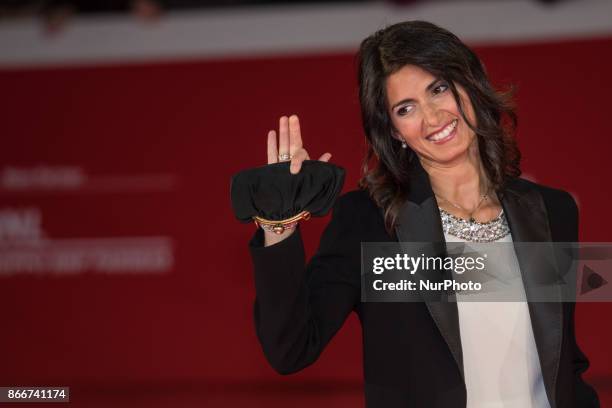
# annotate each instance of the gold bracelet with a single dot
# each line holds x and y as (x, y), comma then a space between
(278, 227)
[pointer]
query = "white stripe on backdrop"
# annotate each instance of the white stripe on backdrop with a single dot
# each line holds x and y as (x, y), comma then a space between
(299, 29)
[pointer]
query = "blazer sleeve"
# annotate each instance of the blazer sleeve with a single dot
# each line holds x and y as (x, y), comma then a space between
(586, 397)
(298, 306)
(564, 225)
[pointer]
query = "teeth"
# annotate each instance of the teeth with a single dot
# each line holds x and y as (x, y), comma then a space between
(445, 132)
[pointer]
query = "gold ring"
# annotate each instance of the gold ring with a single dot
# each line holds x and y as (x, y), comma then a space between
(284, 157)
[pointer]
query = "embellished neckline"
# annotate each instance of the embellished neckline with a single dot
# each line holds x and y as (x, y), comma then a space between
(500, 215)
(474, 231)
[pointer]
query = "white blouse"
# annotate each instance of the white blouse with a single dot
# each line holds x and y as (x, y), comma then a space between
(500, 359)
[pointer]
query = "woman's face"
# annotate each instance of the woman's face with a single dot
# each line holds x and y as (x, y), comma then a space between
(424, 112)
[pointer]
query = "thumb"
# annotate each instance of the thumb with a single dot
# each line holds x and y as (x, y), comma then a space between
(325, 157)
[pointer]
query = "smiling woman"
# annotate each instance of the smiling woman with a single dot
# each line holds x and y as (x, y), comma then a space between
(437, 99)
(431, 118)
(442, 165)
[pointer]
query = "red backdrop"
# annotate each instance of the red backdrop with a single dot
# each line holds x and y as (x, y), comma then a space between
(186, 127)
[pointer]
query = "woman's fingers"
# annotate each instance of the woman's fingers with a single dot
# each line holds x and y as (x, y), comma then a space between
(289, 143)
(296, 161)
(325, 157)
(295, 136)
(272, 149)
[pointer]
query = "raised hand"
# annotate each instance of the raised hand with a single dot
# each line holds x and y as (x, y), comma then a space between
(289, 146)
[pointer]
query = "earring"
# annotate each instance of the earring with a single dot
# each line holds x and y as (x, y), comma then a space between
(404, 145)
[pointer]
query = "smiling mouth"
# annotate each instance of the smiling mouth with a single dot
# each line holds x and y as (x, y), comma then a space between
(444, 134)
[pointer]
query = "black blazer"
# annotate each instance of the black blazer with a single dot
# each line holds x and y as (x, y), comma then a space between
(412, 351)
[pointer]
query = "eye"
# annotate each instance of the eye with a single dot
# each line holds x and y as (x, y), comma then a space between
(440, 88)
(404, 110)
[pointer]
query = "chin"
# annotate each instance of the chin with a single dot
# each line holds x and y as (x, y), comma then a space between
(450, 156)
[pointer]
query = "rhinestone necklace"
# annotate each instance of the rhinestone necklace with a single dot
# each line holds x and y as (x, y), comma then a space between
(474, 231)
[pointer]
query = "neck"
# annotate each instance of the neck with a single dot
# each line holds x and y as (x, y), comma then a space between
(462, 182)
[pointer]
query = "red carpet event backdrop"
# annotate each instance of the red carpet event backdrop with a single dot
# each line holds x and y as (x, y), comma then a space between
(120, 261)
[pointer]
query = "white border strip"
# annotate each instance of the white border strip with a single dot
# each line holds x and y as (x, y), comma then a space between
(289, 30)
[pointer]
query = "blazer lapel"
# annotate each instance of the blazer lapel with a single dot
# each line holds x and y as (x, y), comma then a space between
(528, 221)
(419, 221)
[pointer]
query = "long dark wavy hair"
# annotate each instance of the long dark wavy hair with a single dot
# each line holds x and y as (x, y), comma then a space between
(386, 166)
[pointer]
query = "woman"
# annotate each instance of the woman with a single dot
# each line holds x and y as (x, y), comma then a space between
(441, 157)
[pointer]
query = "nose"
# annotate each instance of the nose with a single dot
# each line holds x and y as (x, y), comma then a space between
(432, 117)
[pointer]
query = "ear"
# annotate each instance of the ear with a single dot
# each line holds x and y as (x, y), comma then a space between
(397, 136)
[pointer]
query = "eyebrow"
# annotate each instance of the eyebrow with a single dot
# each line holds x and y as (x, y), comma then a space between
(429, 87)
